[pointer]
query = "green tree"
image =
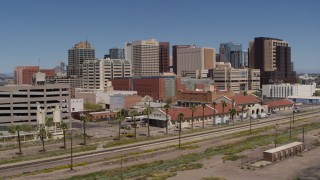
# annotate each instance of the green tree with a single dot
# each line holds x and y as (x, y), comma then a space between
(84, 119)
(120, 118)
(93, 107)
(242, 110)
(49, 121)
(167, 107)
(232, 112)
(148, 111)
(63, 126)
(224, 104)
(203, 106)
(193, 109)
(42, 135)
(12, 129)
(214, 112)
(133, 115)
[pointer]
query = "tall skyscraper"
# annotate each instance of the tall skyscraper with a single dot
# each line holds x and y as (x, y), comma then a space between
(233, 53)
(195, 60)
(164, 59)
(239, 59)
(273, 58)
(116, 53)
(174, 55)
(225, 50)
(81, 52)
(144, 56)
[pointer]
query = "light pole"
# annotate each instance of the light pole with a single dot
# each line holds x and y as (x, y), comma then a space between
(293, 115)
(275, 139)
(290, 128)
(250, 123)
(71, 153)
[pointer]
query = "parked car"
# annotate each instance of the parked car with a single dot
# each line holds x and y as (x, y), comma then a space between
(254, 116)
(262, 115)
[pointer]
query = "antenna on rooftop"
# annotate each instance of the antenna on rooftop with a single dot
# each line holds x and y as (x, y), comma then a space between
(39, 64)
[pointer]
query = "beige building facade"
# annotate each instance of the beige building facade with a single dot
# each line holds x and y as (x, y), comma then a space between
(195, 60)
(238, 80)
(18, 103)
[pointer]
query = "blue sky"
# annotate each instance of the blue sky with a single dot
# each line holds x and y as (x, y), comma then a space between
(37, 29)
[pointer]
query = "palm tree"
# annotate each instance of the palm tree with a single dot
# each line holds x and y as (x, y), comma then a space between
(232, 112)
(167, 107)
(148, 111)
(224, 104)
(42, 134)
(180, 118)
(119, 119)
(203, 106)
(193, 109)
(84, 119)
(214, 112)
(13, 129)
(242, 109)
(133, 114)
(64, 127)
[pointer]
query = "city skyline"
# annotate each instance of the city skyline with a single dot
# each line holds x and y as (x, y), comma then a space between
(36, 30)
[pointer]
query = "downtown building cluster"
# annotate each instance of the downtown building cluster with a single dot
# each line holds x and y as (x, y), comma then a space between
(147, 68)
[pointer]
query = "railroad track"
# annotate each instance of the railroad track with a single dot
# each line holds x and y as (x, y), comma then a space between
(228, 130)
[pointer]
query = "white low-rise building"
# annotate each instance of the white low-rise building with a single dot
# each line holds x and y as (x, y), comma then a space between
(286, 90)
(77, 105)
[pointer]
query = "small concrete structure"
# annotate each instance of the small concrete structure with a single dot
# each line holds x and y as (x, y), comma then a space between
(283, 152)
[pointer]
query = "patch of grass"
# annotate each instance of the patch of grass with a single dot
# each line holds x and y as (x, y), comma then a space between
(213, 178)
(47, 154)
(48, 170)
(185, 167)
(233, 157)
(162, 166)
(189, 147)
(158, 176)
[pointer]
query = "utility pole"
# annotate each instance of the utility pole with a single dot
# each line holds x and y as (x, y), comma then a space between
(179, 133)
(290, 128)
(303, 135)
(71, 157)
(293, 116)
(250, 124)
(275, 140)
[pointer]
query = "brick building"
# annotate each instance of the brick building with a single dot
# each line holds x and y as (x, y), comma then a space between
(157, 87)
(23, 74)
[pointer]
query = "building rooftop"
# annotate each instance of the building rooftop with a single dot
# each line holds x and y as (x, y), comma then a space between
(280, 148)
(208, 111)
(278, 103)
(245, 99)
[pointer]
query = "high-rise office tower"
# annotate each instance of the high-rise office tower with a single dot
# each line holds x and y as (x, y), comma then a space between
(174, 55)
(164, 59)
(195, 60)
(239, 59)
(144, 56)
(273, 57)
(225, 50)
(116, 53)
(77, 55)
(233, 53)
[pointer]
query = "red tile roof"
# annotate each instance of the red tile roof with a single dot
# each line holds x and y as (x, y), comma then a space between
(245, 99)
(208, 111)
(279, 103)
